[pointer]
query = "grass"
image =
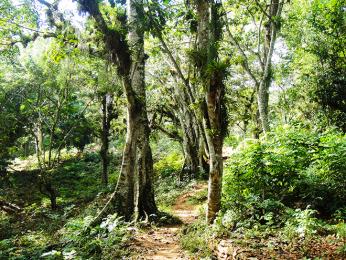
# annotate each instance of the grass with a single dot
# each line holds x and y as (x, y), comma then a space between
(199, 197)
(196, 238)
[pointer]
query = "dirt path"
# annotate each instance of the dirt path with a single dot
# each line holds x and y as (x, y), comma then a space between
(163, 242)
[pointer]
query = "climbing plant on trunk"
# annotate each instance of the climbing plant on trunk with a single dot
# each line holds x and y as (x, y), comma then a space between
(211, 75)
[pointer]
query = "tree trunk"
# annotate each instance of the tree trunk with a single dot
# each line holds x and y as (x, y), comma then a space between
(192, 127)
(190, 147)
(52, 195)
(214, 132)
(144, 202)
(209, 33)
(129, 58)
(107, 116)
(271, 30)
(194, 162)
(9, 207)
(263, 103)
(46, 187)
(39, 145)
(124, 191)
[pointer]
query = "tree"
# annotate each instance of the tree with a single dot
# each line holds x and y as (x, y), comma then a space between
(46, 96)
(259, 24)
(318, 61)
(212, 72)
(177, 79)
(134, 191)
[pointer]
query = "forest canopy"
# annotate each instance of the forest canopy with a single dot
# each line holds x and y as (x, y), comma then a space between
(216, 128)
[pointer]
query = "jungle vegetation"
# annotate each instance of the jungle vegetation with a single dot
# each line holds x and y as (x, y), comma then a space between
(110, 111)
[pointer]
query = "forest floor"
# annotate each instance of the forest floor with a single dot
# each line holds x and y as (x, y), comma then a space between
(163, 242)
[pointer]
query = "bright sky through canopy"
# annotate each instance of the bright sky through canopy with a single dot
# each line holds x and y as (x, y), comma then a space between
(68, 7)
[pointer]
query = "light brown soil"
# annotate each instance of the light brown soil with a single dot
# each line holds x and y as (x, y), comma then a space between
(163, 242)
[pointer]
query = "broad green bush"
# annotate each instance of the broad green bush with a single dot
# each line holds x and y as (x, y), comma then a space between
(291, 167)
(169, 165)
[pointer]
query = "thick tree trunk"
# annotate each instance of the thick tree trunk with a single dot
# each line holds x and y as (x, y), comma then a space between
(215, 177)
(214, 132)
(131, 195)
(124, 191)
(144, 202)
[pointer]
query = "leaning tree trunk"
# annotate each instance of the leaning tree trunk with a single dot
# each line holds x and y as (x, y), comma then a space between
(192, 140)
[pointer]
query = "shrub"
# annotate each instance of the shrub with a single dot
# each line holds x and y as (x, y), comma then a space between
(105, 240)
(195, 238)
(291, 167)
(169, 165)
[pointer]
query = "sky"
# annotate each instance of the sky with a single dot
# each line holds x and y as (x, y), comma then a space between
(68, 7)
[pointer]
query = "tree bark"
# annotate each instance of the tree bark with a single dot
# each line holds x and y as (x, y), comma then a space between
(271, 30)
(108, 114)
(209, 33)
(144, 201)
(104, 141)
(134, 191)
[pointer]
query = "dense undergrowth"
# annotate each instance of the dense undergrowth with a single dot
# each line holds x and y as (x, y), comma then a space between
(40, 233)
(283, 196)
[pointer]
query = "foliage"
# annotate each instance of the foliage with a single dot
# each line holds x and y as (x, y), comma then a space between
(199, 197)
(168, 190)
(169, 165)
(196, 238)
(286, 189)
(292, 167)
(315, 32)
(102, 242)
(40, 231)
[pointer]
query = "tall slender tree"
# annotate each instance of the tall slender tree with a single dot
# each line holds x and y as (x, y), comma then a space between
(212, 74)
(271, 30)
